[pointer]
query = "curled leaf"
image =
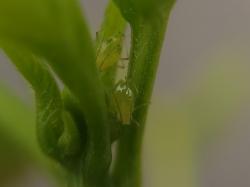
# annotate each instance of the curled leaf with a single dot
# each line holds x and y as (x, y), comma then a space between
(57, 132)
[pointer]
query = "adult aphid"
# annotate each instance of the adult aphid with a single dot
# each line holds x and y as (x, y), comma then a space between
(123, 99)
(108, 52)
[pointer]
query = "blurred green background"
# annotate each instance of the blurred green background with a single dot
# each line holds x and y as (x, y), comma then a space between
(198, 131)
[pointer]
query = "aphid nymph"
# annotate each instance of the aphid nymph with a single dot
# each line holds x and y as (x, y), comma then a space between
(108, 52)
(123, 98)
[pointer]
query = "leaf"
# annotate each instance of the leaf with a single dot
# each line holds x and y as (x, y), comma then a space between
(112, 24)
(55, 30)
(53, 122)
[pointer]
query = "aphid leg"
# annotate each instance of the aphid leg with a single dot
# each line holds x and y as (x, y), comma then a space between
(117, 84)
(124, 58)
(118, 107)
(97, 35)
(136, 90)
(122, 66)
(127, 52)
(99, 39)
(133, 86)
(141, 106)
(135, 122)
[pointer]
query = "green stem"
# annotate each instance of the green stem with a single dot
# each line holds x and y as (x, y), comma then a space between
(147, 40)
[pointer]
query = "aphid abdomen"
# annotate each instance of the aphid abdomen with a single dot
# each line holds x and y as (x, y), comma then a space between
(108, 53)
(124, 102)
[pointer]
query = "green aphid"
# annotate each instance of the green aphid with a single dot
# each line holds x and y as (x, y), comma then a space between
(108, 52)
(123, 98)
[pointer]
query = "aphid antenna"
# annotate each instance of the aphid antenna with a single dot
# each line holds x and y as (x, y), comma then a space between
(124, 58)
(122, 66)
(118, 107)
(135, 122)
(141, 106)
(97, 35)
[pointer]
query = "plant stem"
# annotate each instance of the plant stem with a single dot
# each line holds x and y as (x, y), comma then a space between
(147, 40)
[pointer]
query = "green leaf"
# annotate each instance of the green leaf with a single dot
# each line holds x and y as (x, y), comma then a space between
(56, 130)
(55, 30)
(112, 24)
